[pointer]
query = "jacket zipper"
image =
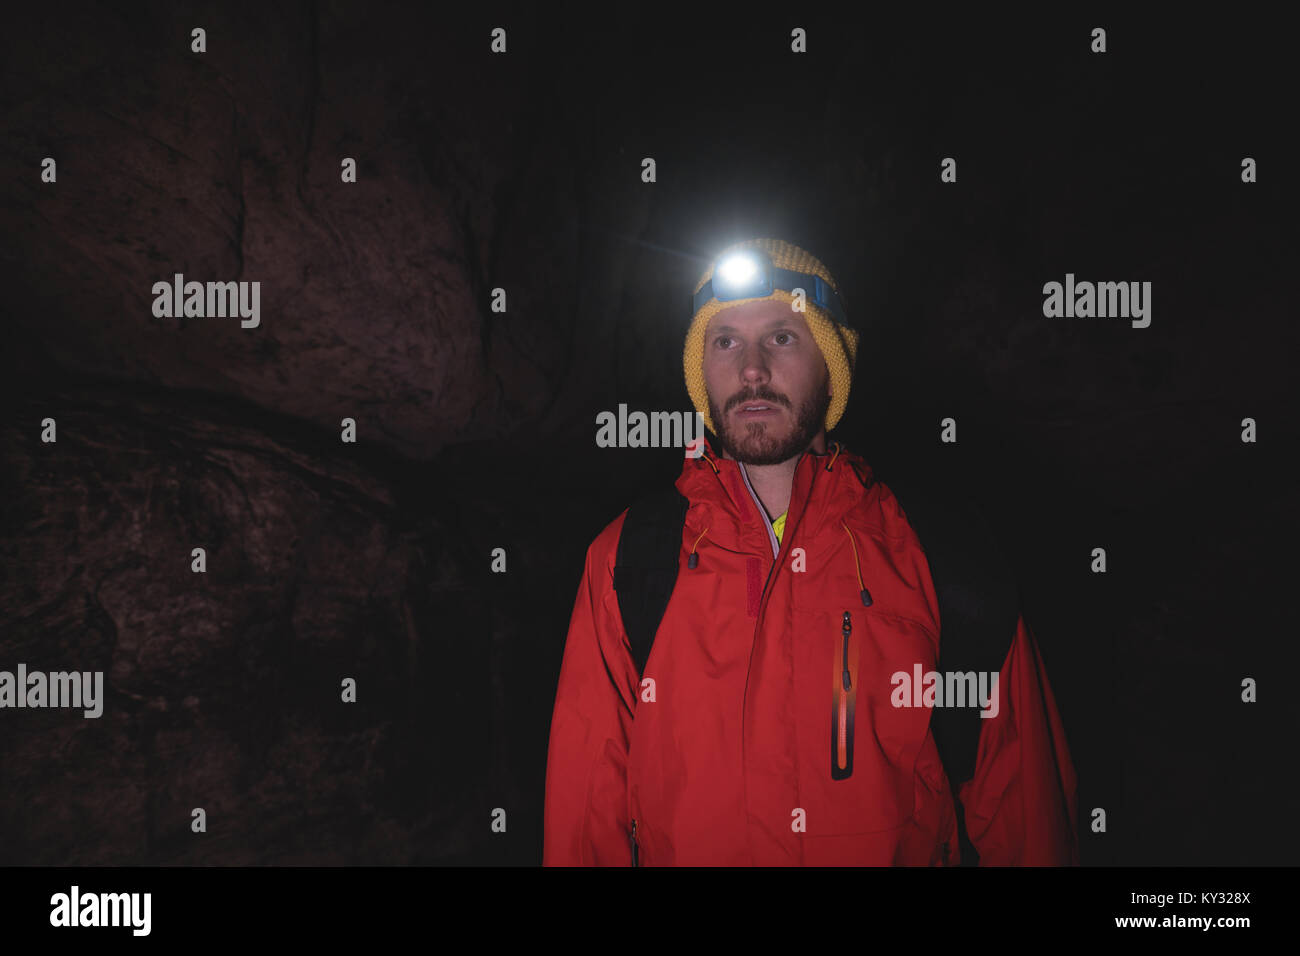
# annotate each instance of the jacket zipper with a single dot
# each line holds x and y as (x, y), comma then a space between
(767, 523)
(842, 710)
(844, 698)
(635, 861)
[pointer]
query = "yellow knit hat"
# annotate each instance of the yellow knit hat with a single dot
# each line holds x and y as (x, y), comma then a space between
(838, 343)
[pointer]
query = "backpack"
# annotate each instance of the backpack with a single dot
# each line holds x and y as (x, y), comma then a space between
(979, 603)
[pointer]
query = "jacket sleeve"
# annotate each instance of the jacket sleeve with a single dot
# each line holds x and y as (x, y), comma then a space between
(586, 817)
(1020, 806)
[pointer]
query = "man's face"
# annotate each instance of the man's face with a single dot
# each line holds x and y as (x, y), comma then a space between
(767, 382)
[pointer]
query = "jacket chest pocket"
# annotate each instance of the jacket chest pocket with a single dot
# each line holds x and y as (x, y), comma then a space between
(859, 739)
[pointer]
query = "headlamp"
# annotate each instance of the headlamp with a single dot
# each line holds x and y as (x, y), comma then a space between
(749, 274)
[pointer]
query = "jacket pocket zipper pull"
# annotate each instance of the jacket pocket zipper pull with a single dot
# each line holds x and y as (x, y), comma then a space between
(635, 862)
(842, 711)
(847, 629)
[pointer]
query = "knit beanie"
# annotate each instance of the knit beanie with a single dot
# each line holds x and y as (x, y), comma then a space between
(838, 343)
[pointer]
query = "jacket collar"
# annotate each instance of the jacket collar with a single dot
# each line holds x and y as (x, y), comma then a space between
(825, 488)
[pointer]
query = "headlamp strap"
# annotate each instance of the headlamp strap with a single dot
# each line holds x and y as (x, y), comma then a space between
(817, 289)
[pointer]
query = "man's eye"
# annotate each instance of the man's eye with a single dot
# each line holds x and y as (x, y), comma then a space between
(781, 335)
(721, 341)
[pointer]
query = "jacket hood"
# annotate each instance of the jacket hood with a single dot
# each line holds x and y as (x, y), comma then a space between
(826, 487)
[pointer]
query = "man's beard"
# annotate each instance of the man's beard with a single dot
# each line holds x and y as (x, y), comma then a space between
(752, 442)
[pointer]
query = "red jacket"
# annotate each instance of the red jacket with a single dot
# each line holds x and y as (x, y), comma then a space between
(731, 761)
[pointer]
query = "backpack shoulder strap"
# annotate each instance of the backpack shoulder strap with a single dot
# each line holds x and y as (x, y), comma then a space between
(645, 568)
(979, 606)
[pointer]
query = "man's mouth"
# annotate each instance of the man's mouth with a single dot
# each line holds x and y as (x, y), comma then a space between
(753, 409)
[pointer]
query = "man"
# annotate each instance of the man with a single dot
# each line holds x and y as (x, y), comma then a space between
(767, 728)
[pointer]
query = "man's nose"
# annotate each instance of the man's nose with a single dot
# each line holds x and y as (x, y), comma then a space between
(753, 367)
